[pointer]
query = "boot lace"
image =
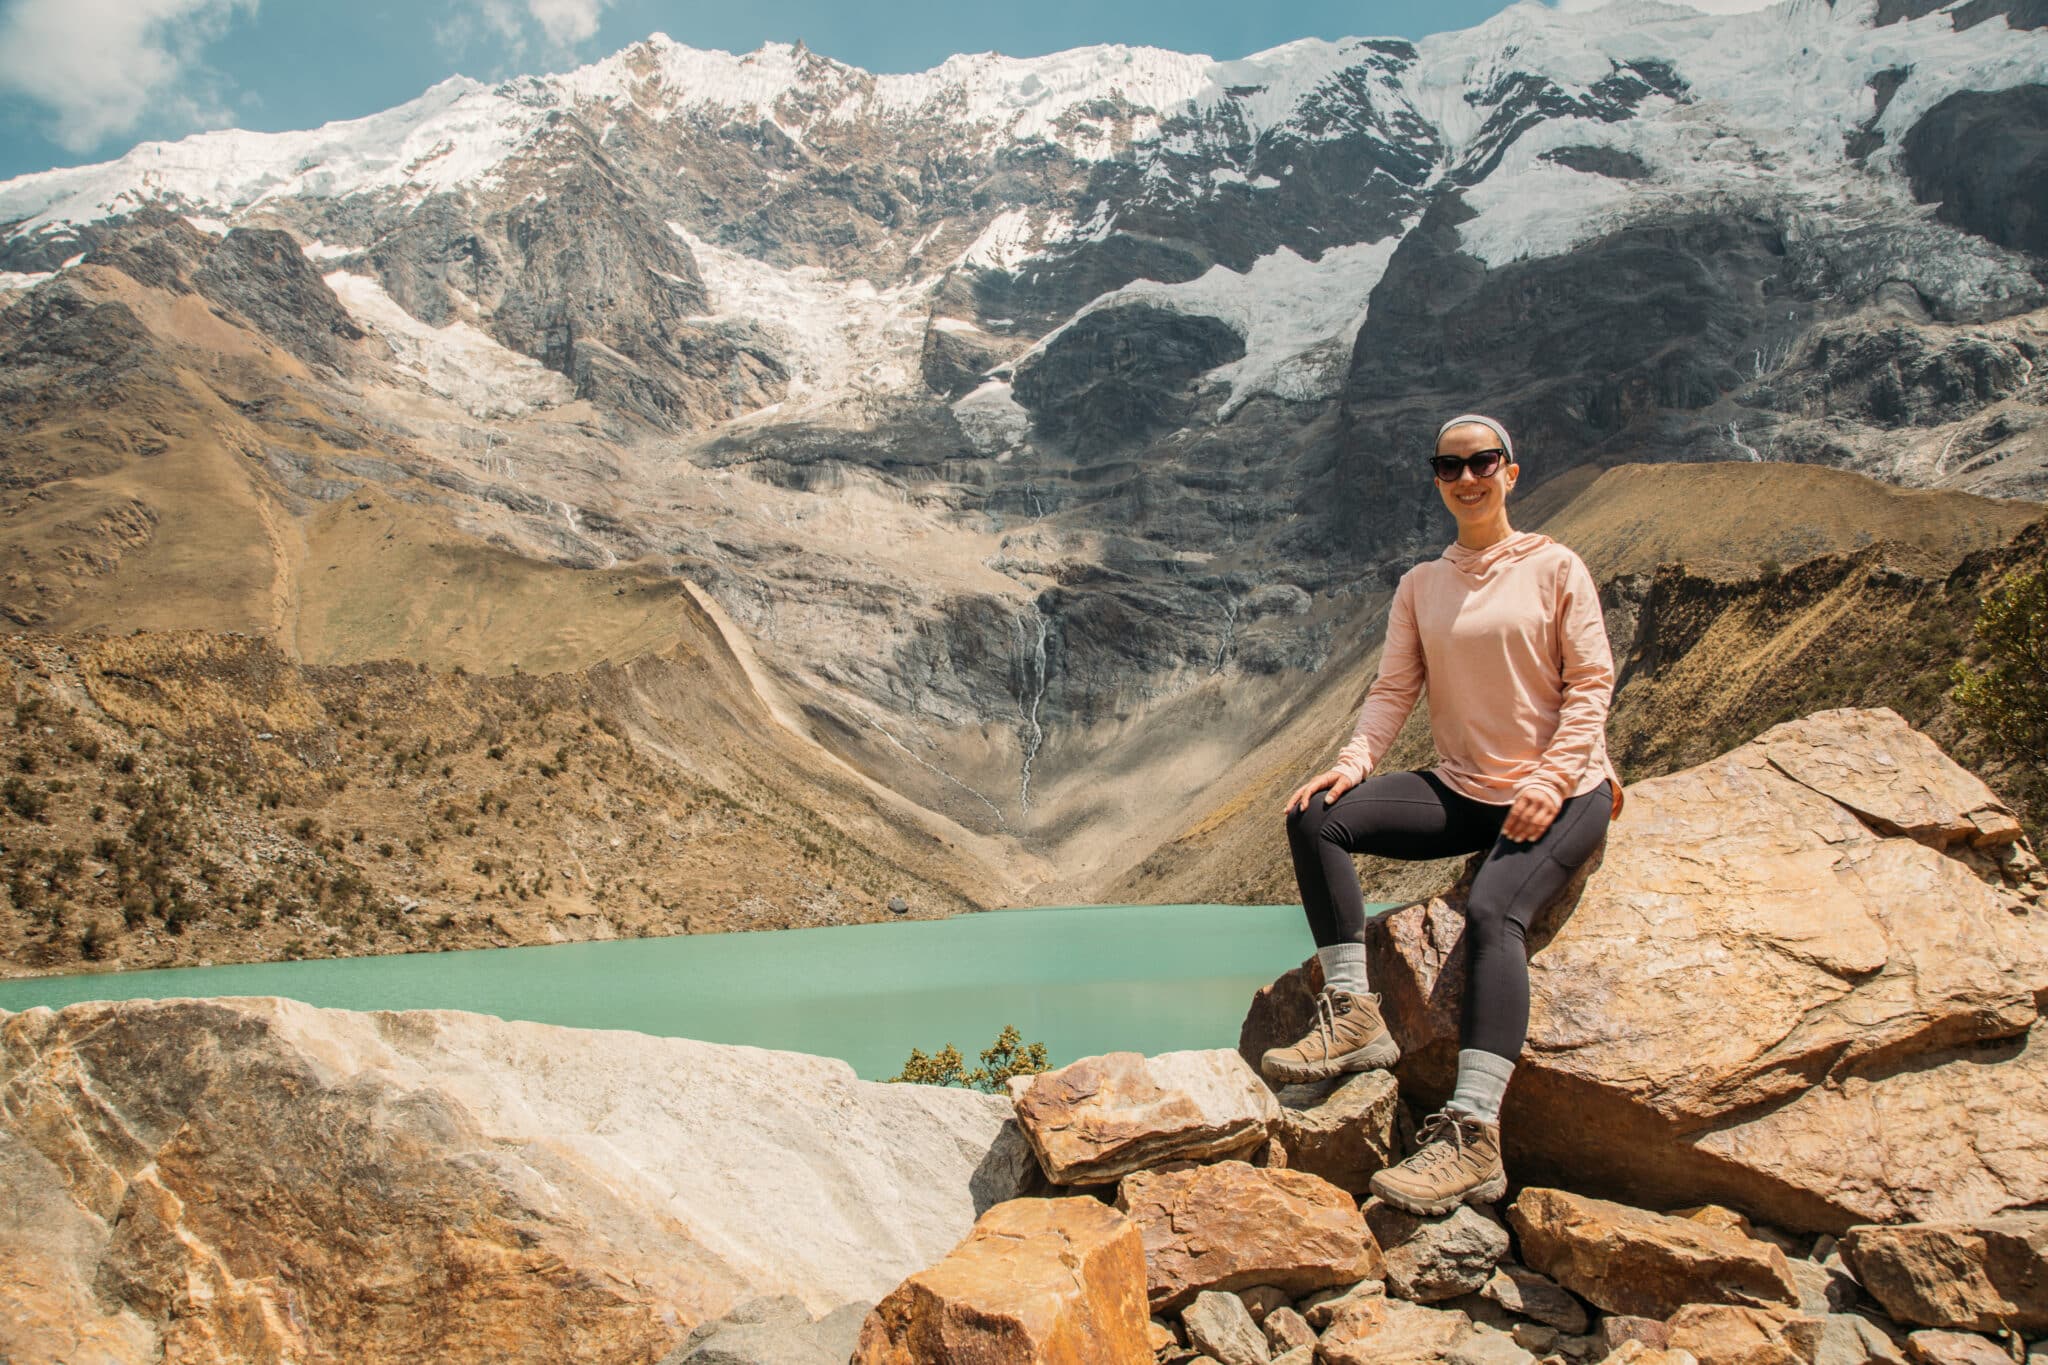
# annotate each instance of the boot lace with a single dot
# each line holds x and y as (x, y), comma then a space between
(1326, 1023)
(1441, 1141)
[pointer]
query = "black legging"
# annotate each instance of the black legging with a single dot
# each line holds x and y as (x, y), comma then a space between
(1416, 816)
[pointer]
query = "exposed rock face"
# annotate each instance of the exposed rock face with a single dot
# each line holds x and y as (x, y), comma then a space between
(1104, 1117)
(1630, 1261)
(1997, 188)
(1117, 374)
(1979, 1276)
(1818, 904)
(1038, 1282)
(1936, 1347)
(1232, 1226)
(504, 1187)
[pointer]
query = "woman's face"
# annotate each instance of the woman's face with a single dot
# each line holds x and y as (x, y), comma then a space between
(1471, 499)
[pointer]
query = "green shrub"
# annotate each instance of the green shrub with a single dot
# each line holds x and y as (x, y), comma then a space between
(1008, 1056)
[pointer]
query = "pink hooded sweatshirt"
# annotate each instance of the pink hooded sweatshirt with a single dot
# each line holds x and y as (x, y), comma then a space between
(1510, 644)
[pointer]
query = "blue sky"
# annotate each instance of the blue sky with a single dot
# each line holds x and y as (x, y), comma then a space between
(84, 80)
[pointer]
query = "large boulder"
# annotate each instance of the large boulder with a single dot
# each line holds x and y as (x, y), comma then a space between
(1727, 1334)
(1037, 1282)
(1104, 1117)
(1438, 1257)
(1233, 1226)
(1645, 1264)
(1342, 1129)
(1797, 983)
(259, 1179)
(1978, 1276)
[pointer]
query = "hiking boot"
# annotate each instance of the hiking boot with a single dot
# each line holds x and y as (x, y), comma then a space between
(1347, 1035)
(1456, 1161)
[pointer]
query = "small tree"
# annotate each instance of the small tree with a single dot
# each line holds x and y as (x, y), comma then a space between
(2007, 698)
(1008, 1056)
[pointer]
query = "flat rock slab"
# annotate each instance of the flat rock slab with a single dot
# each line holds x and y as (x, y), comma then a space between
(1103, 1117)
(1977, 1276)
(1646, 1264)
(1792, 986)
(1850, 1339)
(1342, 1130)
(1435, 1258)
(444, 1183)
(1037, 1282)
(1232, 1226)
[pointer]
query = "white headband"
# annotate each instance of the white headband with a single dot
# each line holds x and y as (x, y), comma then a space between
(1474, 419)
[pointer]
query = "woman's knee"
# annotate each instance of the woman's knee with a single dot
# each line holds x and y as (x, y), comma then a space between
(1492, 917)
(1305, 824)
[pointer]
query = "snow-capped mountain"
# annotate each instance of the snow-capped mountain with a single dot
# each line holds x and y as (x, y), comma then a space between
(1017, 395)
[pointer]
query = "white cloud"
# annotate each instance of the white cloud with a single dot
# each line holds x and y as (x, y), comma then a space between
(100, 66)
(1704, 6)
(563, 24)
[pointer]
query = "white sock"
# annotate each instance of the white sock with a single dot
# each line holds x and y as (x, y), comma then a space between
(1482, 1081)
(1344, 968)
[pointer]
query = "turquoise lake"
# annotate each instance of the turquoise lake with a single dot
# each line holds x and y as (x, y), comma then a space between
(1081, 980)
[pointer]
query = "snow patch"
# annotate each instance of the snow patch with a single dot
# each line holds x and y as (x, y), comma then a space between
(1015, 236)
(12, 280)
(992, 419)
(1298, 317)
(458, 362)
(835, 337)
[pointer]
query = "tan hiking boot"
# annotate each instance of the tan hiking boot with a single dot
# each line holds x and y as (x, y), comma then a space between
(1456, 1161)
(1347, 1035)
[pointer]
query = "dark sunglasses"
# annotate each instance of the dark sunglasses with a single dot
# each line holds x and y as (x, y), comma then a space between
(1482, 465)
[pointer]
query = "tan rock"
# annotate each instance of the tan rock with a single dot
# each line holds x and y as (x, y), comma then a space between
(1342, 1130)
(1617, 1330)
(1037, 1282)
(1230, 1226)
(1632, 1261)
(1322, 1307)
(1382, 1331)
(1810, 942)
(446, 1186)
(1933, 1346)
(1261, 1299)
(1287, 1329)
(1160, 1336)
(1637, 1352)
(1104, 1117)
(1851, 1339)
(1280, 1011)
(1535, 1337)
(1299, 1355)
(1221, 1327)
(1715, 1216)
(1980, 1275)
(1435, 1258)
(1729, 1334)
(1522, 1291)
(1487, 1346)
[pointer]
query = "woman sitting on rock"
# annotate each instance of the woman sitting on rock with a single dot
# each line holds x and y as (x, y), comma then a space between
(1504, 632)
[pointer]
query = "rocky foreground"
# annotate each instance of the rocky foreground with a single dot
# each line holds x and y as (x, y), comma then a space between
(1782, 1105)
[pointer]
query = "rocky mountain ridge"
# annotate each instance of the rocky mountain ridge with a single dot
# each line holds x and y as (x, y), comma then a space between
(1024, 416)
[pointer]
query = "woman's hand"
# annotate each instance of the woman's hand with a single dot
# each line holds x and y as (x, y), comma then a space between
(1530, 816)
(1337, 784)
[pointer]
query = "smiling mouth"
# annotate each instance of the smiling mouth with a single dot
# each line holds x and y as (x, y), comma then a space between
(1470, 499)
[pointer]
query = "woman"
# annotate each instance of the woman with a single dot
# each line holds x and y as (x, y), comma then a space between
(1504, 631)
